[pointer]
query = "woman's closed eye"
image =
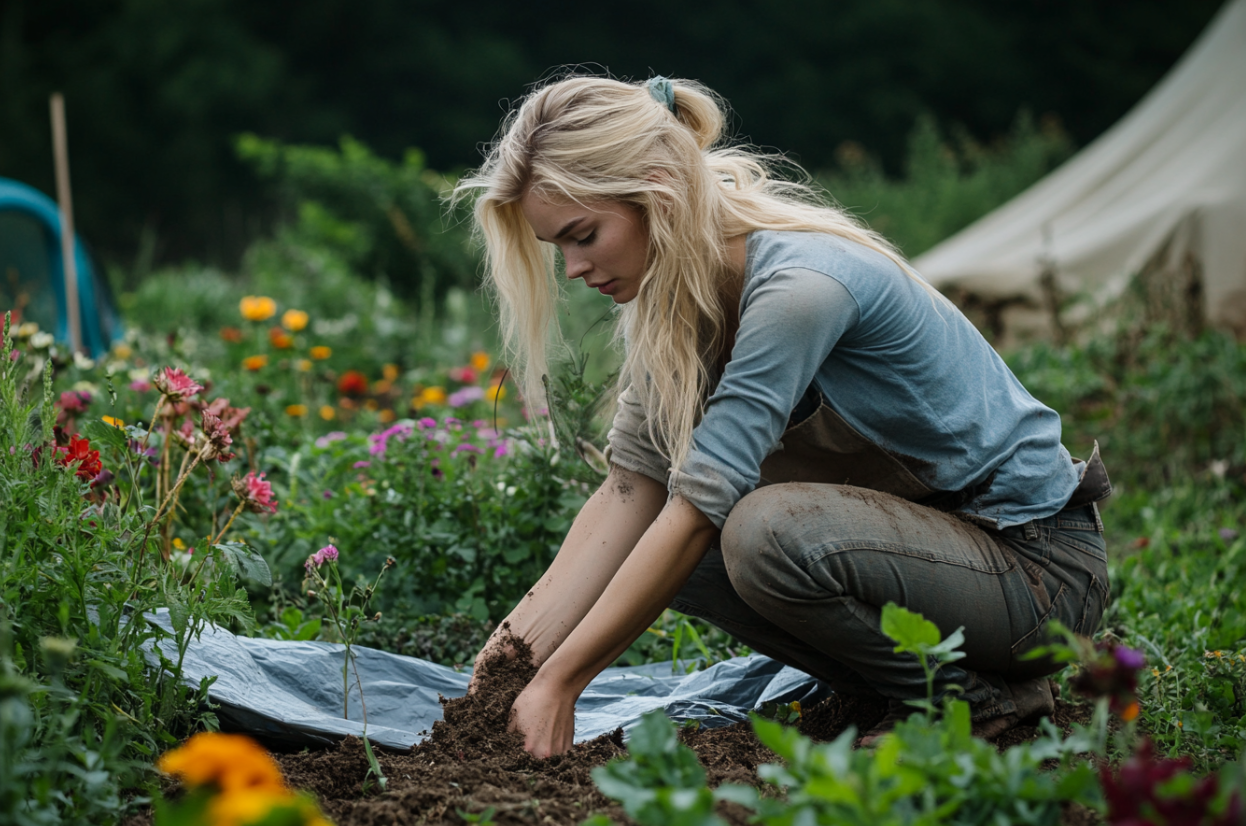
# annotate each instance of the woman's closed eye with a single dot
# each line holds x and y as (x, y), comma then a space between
(587, 239)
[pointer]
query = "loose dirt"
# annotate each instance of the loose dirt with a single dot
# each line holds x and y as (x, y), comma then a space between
(470, 764)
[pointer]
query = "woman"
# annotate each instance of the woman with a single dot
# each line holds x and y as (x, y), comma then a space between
(806, 430)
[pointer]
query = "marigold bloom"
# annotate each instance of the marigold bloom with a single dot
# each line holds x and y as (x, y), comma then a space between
(254, 363)
(257, 307)
(352, 383)
(480, 361)
(175, 384)
(294, 320)
(112, 421)
(390, 372)
(495, 392)
(432, 395)
(255, 492)
(320, 352)
(296, 410)
(386, 415)
(327, 412)
(280, 338)
(303, 365)
(231, 762)
(231, 334)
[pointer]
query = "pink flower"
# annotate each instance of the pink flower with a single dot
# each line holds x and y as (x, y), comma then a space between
(74, 401)
(218, 439)
(140, 386)
(326, 554)
(329, 438)
(362, 463)
(426, 422)
(256, 493)
(175, 384)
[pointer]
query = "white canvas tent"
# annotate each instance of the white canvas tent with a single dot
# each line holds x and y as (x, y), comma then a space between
(1166, 184)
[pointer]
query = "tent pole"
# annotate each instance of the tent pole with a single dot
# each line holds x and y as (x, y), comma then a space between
(60, 151)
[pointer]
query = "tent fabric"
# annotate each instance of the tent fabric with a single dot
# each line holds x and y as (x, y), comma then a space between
(289, 694)
(1169, 178)
(100, 323)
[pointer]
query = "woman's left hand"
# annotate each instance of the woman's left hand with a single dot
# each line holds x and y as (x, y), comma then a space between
(545, 715)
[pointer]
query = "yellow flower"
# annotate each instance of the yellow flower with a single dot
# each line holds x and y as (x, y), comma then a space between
(230, 761)
(254, 363)
(370, 404)
(327, 413)
(246, 807)
(114, 422)
(304, 365)
(495, 393)
(178, 543)
(294, 320)
(296, 410)
(122, 351)
(390, 372)
(320, 352)
(257, 307)
(386, 416)
(480, 361)
(432, 395)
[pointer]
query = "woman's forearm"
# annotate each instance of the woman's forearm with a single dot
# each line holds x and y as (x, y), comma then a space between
(642, 588)
(603, 534)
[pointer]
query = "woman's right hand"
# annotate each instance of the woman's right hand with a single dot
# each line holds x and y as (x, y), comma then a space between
(494, 647)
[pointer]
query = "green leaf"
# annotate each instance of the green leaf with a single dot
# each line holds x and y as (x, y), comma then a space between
(248, 563)
(179, 615)
(100, 432)
(912, 632)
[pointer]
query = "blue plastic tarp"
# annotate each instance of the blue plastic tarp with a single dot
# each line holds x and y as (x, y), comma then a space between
(290, 693)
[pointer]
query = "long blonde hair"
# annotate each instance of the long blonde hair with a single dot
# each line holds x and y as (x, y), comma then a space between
(593, 139)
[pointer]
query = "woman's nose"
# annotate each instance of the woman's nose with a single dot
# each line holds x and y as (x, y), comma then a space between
(577, 266)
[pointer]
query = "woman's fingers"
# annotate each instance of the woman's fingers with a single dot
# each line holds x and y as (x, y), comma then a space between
(545, 718)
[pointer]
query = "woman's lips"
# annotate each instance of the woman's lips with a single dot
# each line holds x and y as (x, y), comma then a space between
(607, 288)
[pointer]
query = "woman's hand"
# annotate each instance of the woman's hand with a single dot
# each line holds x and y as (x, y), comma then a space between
(545, 715)
(493, 648)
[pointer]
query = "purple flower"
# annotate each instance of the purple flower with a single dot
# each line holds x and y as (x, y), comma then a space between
(465, 396)
(329, 438)
(1228, 534)
(502, 449)
(427, 422)
(466, 448)
(362, 463)
(1128, 657)
(486, 433)
(326, 554)
(328, 494)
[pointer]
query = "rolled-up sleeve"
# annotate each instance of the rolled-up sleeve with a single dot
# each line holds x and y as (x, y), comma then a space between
(790, 321)
(628, 443)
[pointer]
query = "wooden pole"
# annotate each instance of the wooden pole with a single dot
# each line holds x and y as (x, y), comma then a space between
(60, 151)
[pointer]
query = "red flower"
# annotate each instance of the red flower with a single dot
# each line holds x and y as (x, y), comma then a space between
(256, 493)
(1112, 673)
(463, 375)
(352, 383)
(1136, 793)
(175, 384)
(79, 451)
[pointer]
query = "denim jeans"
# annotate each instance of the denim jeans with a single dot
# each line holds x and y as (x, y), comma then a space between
(802, 571)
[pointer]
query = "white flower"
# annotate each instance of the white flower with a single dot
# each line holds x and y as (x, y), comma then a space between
(41, 340)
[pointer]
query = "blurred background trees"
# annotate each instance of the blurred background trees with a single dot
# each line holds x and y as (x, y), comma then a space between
(158, 92)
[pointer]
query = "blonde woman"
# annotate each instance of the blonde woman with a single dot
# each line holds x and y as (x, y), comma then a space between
(805, 430)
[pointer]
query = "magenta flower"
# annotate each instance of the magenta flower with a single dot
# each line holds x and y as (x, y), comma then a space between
(74, 401)
(329, 438)
(467, 395)
(140, 386)
(466, 448)
(362, 463)
(218, 439)
(255, 493)
(175, 384)
(326, 554)
(426, 423)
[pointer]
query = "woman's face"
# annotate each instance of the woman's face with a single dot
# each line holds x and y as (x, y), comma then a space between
(605, 242)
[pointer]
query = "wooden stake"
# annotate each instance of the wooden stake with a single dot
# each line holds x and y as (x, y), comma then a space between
(60, 150)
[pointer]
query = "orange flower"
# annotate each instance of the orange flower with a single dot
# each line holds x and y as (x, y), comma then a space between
(327, 412)
(495, 392)
(114, 422)
(280, 338)
(431, 395)
(352, 383)
(320, 352)
(254, 363)
(230, 761)
(480, 361)
(382, 387)
(390, 372)
(386, 416)
(257, 308)
(1131, 712)
(303, 365)
(296, 410)
(231, 334)
(370, 404)
(294, 320)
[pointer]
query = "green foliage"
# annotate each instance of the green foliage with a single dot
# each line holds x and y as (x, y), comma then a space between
(946, 186)
(383, 219)
(661, 783)
(914, 634)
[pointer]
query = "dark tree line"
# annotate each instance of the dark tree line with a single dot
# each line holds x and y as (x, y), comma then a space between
(157, 89)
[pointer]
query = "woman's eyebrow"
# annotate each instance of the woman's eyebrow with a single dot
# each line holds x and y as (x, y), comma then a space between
(570, 225)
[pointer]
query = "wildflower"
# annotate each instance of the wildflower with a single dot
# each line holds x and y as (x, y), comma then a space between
(320, 352)
(326, 554)
(255, 493)
(231, 334)
(294, 320)
(466, 448)
(352, 383)
(118, 423)
(431, 395)
(79, 450)
(463, 375)
(495, 393)
(74, 401)
(231, 417)
(40, 341)
(327, 412)
(218, 438)
(326, 439)
(296, 410)
(362, 463)
(175, 384)
(140, 386)
(465, 396)
(122, 351)
(254, 363)
(1112, 673)
(390, 372)
(230, 762)
(303, 365)
(257, 308)
(178, 543)
(386, 416)
(1148, 790)
(480, 361)
(427, 422)
(280, 338)
(26, 329)
(328, 494)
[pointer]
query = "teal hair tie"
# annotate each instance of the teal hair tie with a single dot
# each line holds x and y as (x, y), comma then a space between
(663, 91)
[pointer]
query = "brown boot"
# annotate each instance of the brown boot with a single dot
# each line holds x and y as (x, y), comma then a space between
(1033, 699)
